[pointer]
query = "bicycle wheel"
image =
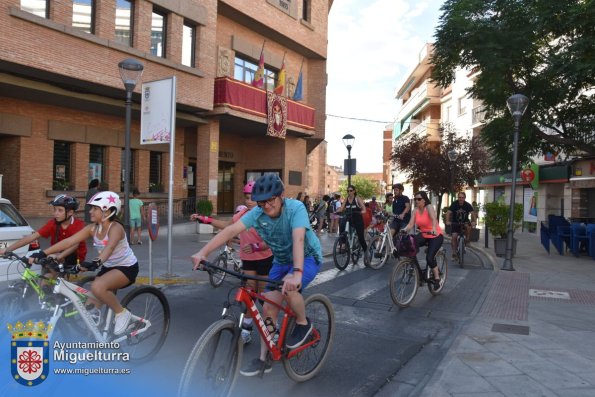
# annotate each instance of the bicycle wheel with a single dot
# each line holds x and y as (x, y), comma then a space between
(214, 362)
(12, 304)
(461, 250)
(216, 277)
(306, 364)
(341, 252)
(404, 281)
(148, 303)
(379, 248)
(60, 331)
(442, 264)
(356, 249)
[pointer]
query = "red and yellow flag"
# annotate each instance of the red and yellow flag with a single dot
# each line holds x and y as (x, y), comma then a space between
(259, 75)
(280, 86)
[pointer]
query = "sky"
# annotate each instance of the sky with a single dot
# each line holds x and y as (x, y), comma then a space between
(373, 46)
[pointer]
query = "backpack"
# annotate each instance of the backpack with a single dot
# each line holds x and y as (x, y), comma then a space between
(405, 245)
(331, 207)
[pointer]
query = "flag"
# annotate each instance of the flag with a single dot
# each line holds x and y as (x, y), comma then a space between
(297, 94)
(259, 75)
(280, 86)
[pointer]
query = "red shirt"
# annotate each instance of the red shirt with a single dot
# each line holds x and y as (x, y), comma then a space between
(49, 231)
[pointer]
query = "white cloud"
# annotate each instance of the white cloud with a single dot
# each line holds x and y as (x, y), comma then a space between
(372, 45)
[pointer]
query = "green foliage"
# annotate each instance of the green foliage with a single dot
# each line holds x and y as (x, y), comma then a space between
(540, 48)
(497, 215)
(366, 188)
(204, 207)
(62, 184)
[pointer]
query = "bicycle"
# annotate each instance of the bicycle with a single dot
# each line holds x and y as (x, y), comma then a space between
(214, 362)
(461, 250)
(407, 277)
(226, 255)
(148, 306)
(346, 247)
(382, 246)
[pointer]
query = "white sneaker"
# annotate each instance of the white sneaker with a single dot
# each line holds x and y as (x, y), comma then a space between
(121, 323)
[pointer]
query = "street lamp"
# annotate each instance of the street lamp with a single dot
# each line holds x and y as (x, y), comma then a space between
(130, 71)
(517, 104)
(348, 142)
(452, 157)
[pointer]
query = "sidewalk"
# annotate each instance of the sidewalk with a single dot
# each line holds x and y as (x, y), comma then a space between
(532, 335)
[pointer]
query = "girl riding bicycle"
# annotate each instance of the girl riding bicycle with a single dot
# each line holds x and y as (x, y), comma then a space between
(353, 208)
(430, 233)
(119, 266)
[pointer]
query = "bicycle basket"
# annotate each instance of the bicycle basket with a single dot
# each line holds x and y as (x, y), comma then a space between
(406, 246)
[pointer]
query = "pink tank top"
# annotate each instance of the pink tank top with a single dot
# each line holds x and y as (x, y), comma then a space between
(248, 237)
(424, 224)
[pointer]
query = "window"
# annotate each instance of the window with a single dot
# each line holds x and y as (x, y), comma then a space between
(83, 15)
(124, 13)
(132, 170)
(155, 172)
(448, 112)
(462, 109)
(244, 71)
(158, 33)
(62, 179)
(306, 10)
(96, 162)
(38, 7)
(188, 44)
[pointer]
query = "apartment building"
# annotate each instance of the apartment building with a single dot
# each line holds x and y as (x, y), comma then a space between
(62, 99)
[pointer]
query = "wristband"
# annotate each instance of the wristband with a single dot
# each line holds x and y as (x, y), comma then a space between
(297, 269)
(255, 247)
(205, 219)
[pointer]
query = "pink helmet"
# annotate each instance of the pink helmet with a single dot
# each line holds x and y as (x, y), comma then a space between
(240, 208)
(248, 187)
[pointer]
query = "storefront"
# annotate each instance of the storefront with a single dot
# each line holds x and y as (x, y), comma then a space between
(582, 186)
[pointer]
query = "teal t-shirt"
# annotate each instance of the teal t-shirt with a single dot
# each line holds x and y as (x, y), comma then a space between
(135, 205)
(277, 232)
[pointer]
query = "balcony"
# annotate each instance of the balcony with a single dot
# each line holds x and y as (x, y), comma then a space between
(244, 98)
(478, 115)
(429, 128)
(425, 94)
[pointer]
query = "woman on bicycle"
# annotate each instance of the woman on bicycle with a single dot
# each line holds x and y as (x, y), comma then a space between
(430, 233)
(256, 256)
(352, 209)
(119, 266)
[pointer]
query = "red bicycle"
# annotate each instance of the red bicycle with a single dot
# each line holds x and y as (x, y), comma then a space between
(214, 362)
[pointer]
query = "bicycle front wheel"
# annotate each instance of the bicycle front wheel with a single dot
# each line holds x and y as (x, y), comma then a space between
(461, 250)
(12, 304)
(150, 304)
(214, 362)
(341, 252)
(379, 248)
(216, 276)
(306, 364)
(442, 264)
(404, 282)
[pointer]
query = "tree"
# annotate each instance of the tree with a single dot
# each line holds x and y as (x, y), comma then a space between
(540, 48)
(366, 188)
(427, 164)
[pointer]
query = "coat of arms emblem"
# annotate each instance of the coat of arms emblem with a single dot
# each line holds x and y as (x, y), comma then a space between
(29, 352)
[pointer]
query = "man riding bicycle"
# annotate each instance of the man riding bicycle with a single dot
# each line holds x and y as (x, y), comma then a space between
(284, 225)
(459, 211)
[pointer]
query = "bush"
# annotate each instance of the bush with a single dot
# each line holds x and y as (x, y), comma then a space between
(496, 218)
(204, 207)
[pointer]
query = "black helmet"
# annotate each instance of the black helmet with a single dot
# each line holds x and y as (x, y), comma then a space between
(267, 186)
(63, 200)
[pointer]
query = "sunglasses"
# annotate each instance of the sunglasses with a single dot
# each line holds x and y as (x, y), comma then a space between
(270, 202)
(418, 199)
(350, 190)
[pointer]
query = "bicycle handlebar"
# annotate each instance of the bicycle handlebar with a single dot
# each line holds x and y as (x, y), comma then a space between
(242, 276)
(48, 262)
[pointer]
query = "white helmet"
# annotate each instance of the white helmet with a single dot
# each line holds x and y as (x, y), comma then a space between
(106, 200)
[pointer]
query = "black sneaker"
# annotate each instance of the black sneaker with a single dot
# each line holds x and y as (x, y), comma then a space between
(254, 367)
(299, 335)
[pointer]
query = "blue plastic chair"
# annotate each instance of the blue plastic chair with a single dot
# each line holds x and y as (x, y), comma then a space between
(578, 233)
(591, 239)
(563, 236)
(545, 237)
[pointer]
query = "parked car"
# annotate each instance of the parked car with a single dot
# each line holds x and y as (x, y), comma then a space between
(13, 227)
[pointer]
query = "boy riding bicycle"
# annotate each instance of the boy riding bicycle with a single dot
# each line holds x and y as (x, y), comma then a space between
(458, 217)
(284, 225)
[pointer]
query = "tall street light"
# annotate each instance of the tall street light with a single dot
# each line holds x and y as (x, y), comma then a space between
(517, 104)
(130, 71)
(452, 157)
(348, 142)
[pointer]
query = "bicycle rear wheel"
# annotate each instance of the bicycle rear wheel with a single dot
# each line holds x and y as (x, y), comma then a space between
(442, 264)
(214, 362)
(148, 303)
(216, 277)
(404, 282)
(306, 364)
(461, 250)
(341, 252)
(379, 248)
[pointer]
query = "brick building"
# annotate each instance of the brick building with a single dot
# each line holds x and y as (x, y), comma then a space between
(62, 99)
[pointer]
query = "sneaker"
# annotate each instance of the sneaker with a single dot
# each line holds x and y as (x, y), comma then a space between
(122, 321)
(437, 284)
(247, 333)
(299, 335)
(254, 367)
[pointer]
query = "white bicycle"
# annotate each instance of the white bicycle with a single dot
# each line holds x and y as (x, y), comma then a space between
(225, 258)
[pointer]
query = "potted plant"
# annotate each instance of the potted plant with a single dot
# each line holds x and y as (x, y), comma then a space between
(496, 220)
(204, 207)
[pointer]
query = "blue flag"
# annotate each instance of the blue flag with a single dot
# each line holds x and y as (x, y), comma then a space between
(297, 94)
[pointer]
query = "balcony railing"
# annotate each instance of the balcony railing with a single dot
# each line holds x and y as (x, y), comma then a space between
(245, 98)
(478, 115)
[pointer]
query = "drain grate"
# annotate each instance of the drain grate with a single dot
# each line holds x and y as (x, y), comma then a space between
(510, 329)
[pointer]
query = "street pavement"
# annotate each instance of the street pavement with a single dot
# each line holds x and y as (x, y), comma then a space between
(530, 334)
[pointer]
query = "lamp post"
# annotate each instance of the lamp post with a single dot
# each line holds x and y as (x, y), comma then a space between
(348, 142)
(517, 104)
(452, 157)
(130, 72)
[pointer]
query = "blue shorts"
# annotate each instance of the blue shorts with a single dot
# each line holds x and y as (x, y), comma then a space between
(278, 271)
(135, 223)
